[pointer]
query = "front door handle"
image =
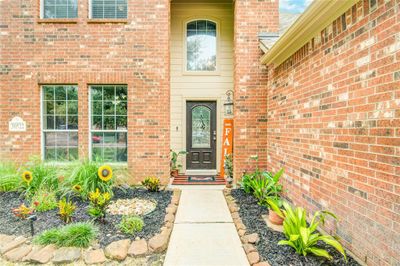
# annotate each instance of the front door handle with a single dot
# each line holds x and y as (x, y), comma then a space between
(215, 135)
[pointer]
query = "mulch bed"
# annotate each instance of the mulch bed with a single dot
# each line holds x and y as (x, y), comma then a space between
(250, 213)
(109, 232)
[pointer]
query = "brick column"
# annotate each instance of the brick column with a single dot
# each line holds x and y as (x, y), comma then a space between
(251, 17)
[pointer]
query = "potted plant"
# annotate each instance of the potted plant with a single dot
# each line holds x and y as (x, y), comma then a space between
(275, 214)
(228, 167)
(175, 167)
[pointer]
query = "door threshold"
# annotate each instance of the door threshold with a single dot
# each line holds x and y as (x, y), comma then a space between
(201, 172)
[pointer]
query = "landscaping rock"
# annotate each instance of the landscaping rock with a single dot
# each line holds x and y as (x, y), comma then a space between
(66, 255)
(159, 242)
(7, 246)
(18, 253)
(252, 238)
(235, 215)
(248, 248)
(253, 257)
(94, 256)
(6, 238)
(241, 232)
(233, 208)
(169, 218)
(43, 255)
(169, 225)
(240, 225)
(29, 255)
(171, 209)
(138, 248)
(117, 250)
(263, 263)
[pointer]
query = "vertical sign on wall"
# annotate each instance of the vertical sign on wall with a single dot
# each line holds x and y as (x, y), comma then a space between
(227, 145)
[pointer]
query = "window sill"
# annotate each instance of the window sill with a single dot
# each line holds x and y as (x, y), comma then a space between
(107, 20)
(58, 20)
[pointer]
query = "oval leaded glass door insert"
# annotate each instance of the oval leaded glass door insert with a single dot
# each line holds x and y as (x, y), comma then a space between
(201, 135)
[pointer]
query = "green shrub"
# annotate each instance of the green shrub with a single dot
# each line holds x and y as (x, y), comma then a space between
(304, 238)
(72, 235)
(44, 175)
(85, 174)
(131, 225)
(44, 200)
(98, 204)
(151, 184)
(10, 180)
(265, 187)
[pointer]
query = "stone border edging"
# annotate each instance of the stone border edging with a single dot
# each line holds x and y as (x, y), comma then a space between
(20, 248)
(248, 240)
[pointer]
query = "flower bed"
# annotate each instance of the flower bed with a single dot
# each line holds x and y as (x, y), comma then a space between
(108, 230)
(258, 238)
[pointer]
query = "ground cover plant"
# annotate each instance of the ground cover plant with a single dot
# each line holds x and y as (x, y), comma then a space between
(72, 235)
(77, 193)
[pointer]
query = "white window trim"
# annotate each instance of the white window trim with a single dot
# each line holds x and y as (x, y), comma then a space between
(42, 130)
(105, 131)
(216, 72)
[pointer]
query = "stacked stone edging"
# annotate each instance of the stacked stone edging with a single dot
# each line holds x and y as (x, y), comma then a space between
(248, 240)
(20, 249)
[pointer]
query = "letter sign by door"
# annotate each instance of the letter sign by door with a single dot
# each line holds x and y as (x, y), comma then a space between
(17, 124)
(227, 137)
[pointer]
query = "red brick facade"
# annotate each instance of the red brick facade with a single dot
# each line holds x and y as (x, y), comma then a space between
(134, 51)
(334, 125)
(250, 78)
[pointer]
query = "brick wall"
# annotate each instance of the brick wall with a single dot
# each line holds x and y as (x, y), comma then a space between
(334, 125)
(251, 17)
(134, 52)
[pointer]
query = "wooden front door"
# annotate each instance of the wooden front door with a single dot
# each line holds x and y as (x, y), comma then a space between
(201, 135)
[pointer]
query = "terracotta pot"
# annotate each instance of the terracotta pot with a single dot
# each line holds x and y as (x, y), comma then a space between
(174, 173)
(275, 218)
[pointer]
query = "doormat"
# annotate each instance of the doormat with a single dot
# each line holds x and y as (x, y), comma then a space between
(201, 178)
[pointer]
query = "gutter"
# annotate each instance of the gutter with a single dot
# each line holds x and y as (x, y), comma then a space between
(317, 17)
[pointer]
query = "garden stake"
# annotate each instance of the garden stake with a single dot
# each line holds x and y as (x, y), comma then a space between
(31, 219)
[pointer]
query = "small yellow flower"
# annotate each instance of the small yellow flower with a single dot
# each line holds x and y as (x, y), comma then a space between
(27, 176)
(94, 195)
(77, 188)
(105, 173)
(106, 196)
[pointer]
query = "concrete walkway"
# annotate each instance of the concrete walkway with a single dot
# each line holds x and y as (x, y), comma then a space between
(204, 233)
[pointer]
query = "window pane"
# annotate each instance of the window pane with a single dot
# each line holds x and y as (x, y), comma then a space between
(109, 108)
(201, 45)
(72, 107)
(61, 122)
(121, 93)
(108, 93)
(121, 108)
(48, 107)
(73, 154)
(122, 154)
(61, 108)
(109, 122)
(48, 93)
(201, 135)
(122, 123)
(109, 146)
(73, 122)
(72, 93)
(61, 93)
(97, 93)
(61, 146)
(97, 108)
(48, 122)
(97, 123)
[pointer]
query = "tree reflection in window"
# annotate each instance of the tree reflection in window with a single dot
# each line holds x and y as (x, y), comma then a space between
(201, 45)
(201, 121)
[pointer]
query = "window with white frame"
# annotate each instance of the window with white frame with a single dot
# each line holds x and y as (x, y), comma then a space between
(60, 122)
(114, 9)
(201, 45)
(59, 8)
(109, 122)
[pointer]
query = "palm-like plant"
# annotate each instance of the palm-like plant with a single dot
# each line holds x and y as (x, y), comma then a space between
(304, 238)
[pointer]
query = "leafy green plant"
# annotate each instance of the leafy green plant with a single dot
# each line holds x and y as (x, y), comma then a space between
(72, 235)
(66, 209)
(266, 186)
(98, 204)
(303, 237)
(131, 225)
(44, 200)
(85, 175)
(23, 212)
(151, 184)
(42, 176)
(174, 159)
(10, 180)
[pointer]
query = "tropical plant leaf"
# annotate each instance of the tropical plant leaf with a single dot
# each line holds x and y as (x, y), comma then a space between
(319, 252)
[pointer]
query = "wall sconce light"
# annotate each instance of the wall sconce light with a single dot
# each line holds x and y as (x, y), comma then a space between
(228, 105)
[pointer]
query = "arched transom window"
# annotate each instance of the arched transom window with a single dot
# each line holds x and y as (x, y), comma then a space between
(201, 45)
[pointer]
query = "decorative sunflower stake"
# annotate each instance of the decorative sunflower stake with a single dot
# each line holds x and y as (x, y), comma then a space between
(27, 177)
(105, 173)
